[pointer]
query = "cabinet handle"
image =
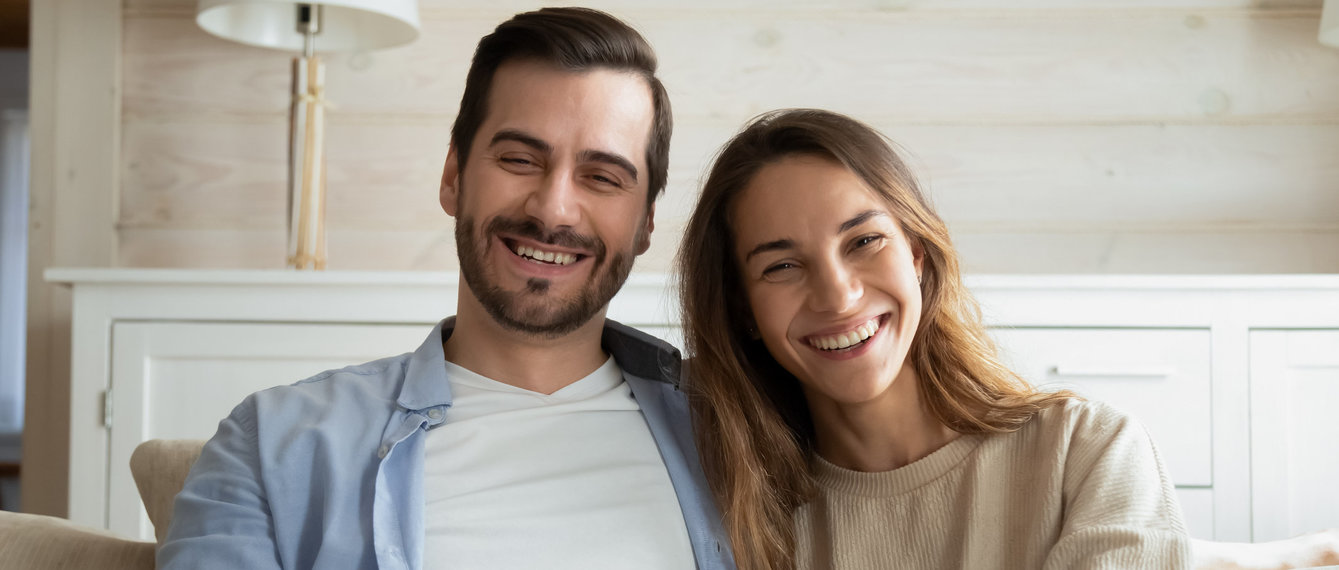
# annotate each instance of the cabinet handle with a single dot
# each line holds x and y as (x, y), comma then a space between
(1097, 372)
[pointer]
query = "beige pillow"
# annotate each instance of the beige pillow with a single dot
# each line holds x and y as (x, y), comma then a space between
(160, 467)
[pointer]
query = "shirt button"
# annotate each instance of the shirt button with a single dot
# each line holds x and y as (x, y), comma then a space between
(383, 451)
(435, 414)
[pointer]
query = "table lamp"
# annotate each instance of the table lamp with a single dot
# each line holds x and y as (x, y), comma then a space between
(308, 28)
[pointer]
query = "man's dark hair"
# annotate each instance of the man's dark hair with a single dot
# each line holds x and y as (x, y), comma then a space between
(571, 39)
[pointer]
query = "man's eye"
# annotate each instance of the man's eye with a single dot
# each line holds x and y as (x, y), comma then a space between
(516, 160)
(607, 180)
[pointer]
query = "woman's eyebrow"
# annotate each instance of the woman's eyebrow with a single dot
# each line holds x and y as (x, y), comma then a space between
(860, 218)
(769, 246)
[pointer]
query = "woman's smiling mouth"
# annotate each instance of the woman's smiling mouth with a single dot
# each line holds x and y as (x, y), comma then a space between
(849, 339)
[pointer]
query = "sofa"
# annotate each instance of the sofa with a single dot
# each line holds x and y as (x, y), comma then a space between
(36, 542)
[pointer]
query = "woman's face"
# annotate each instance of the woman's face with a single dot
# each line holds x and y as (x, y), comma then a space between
(830, 278)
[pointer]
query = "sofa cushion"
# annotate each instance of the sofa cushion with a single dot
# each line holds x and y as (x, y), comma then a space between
(160, 467)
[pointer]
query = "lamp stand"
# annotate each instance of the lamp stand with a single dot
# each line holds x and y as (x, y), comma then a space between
(306, 155)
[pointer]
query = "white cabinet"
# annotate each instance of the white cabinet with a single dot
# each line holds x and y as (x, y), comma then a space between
(1294, 431)
(1237, 378)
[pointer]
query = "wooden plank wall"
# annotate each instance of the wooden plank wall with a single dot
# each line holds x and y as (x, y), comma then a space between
(1057, 136)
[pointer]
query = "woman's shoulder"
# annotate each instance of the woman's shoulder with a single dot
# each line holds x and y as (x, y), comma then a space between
(1081, 425)
(1082, 417)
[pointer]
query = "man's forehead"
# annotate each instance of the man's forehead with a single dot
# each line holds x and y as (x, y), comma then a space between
(573, 111)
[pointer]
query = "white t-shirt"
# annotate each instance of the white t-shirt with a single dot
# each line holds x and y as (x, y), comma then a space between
(519, 479)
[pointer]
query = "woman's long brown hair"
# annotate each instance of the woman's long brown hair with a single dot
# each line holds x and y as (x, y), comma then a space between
(751, 421)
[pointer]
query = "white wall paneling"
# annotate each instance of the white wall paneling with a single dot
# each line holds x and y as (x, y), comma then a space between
(1169, 132)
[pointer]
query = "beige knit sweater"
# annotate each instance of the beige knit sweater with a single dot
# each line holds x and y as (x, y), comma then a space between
(1079, 486)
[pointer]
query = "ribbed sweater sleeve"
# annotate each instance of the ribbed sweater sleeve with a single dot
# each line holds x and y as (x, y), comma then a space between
(1079, 486)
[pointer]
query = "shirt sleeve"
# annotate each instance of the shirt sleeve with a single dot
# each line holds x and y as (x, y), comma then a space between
(221, 518)
(1120, 508)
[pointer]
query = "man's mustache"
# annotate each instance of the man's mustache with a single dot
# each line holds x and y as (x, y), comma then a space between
(563, 237)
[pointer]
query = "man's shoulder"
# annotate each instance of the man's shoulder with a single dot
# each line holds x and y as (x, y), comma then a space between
(360, 386)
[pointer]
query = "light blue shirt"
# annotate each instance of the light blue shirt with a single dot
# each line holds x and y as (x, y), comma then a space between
(328, 472)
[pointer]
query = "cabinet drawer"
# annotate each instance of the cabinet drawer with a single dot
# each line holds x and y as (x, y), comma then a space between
(1160, 376)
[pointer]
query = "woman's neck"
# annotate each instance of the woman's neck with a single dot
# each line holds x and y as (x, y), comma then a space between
(882, 434)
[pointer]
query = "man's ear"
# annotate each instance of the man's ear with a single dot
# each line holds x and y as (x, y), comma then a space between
(644, 236)
(450, 191)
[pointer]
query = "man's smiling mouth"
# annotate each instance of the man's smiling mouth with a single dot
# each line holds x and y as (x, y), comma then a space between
(542, 256)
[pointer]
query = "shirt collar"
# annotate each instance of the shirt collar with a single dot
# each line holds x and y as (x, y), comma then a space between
(637, 353)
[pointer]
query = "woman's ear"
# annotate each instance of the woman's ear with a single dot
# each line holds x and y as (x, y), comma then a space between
(918, 259)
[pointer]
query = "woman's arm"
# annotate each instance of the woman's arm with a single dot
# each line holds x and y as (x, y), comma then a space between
(1120, 508)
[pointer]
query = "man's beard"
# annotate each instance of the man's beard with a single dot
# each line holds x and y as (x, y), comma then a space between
(534, 311)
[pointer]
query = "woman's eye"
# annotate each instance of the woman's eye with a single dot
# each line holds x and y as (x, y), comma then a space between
(777, 271)
(866, 241)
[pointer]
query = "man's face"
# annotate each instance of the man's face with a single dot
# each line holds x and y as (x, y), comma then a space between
(551, 206)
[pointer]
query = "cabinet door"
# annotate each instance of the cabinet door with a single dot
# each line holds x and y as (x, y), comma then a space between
(1294, 436)
(1160, 376)
(177, 380)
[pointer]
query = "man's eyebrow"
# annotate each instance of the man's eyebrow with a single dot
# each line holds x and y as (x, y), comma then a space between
(609, 158)
(775, 245)
(521, 137)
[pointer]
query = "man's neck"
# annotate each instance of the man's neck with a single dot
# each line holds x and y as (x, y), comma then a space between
(536, 363)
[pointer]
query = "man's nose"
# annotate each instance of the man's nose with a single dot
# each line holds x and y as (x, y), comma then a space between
(556, 202)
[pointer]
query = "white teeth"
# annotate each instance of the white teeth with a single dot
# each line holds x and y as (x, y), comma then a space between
(846, 340)
(546, 256)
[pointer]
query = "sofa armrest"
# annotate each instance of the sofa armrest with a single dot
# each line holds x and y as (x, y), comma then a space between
(37, 542)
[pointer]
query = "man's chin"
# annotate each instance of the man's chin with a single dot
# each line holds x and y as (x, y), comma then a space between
(539, 317)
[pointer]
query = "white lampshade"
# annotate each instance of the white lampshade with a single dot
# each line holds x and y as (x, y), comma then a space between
(347, 25)
(1329, 24)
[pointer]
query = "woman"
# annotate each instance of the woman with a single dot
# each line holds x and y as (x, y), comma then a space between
(849, 406)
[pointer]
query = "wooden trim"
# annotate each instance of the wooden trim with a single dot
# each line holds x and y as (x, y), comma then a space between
(75, 130)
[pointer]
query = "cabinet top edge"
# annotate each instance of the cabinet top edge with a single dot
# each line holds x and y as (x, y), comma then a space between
(976, 282)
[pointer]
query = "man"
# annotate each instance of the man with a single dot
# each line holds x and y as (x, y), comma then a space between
(527, 431)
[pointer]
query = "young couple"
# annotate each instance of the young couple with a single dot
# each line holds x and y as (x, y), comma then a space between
(843, 406)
